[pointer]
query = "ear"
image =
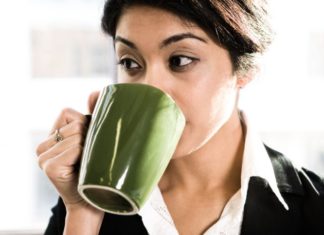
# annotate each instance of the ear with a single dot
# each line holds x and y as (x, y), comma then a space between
(245, 78)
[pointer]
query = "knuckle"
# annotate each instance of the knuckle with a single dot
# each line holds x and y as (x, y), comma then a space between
(48, 168)
(80, 140)
(79, 127)
(52, 169)
(57, 169)
(76, 151)
(56, 172)
(39, 149)
(79, 149)
(77, 139)
(65, 112)
(42, 147)
(40, 161)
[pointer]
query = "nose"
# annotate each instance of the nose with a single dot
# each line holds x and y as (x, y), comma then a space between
(158, 77)
(161, 77)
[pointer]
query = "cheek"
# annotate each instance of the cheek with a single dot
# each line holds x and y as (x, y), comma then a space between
(206, 113)
(197, 126)
(223, 103)
(120, 77)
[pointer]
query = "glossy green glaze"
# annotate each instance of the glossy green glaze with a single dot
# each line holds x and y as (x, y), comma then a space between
(132, 136)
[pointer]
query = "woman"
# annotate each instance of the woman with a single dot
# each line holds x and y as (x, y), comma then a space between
(222, 179)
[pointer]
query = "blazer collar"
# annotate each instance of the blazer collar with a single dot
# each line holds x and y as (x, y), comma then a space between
(263, 214)
(286, 175)
(256, 163)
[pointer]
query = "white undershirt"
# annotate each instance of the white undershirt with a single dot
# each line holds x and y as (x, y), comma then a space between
(256, 162)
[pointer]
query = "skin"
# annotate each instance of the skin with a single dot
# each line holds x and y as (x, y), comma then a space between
(179, 58)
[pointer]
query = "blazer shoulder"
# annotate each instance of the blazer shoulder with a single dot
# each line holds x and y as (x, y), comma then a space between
(316, 180)
(291, 179)
(301, 189)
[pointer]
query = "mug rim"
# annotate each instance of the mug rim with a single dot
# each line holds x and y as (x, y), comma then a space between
(135, 208)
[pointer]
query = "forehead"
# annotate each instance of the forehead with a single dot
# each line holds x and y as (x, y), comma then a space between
(151, 21)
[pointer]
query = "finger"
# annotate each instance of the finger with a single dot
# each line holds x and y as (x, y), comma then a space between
(61, 167)
(59, 148)
(92, 100)
(73, 128)
(67, 116)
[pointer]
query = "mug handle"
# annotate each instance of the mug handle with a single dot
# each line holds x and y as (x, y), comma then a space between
(88, 117)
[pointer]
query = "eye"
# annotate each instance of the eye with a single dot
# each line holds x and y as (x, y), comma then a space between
(180, 62)
(129, 64)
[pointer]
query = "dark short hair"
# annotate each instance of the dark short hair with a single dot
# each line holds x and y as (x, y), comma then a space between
(240, 26)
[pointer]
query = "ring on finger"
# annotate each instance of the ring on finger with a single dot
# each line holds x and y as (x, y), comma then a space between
(58, 136)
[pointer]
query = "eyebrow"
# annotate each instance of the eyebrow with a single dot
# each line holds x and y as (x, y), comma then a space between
(166, 42)
(125, 41)
(179, 37)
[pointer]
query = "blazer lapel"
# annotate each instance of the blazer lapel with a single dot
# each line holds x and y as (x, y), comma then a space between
(263, 212)
(265, 215)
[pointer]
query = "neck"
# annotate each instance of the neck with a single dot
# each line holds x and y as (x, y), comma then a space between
(215, 166)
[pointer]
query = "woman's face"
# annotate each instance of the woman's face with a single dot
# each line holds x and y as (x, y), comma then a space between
(156, 47)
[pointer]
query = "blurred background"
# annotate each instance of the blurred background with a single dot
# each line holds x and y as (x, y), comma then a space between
(53, 55)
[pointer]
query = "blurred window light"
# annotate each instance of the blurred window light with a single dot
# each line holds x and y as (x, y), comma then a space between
(70, 52)
(316, 55)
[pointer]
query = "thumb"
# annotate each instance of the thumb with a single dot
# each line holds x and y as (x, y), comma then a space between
(92, 100)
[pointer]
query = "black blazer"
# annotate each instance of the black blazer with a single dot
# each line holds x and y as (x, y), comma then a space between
(263, 213)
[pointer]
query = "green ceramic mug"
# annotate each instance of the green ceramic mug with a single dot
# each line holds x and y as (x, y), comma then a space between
(132, 136)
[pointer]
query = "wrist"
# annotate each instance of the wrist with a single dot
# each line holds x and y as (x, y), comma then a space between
(83, 219)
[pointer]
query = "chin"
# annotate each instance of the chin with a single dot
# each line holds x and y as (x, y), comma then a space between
(177, 155)
(190, 143)
(183, 149)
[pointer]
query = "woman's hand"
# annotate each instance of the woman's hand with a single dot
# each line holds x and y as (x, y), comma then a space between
(59, 159)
